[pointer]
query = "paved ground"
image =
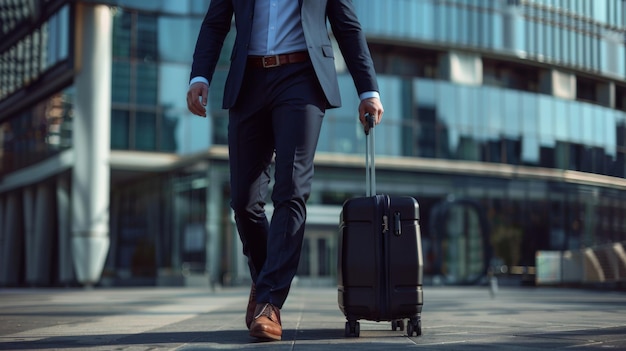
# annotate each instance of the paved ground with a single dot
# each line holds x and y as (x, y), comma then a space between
(454, 318)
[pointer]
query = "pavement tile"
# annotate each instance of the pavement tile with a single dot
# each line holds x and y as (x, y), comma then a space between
(194, 319)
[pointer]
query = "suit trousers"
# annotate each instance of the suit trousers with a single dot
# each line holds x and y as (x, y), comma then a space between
(278, 115)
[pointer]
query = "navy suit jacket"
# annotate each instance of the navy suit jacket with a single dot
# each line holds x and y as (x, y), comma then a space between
(315, 13)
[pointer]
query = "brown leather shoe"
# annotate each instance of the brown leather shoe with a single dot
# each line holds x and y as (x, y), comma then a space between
(266, 323)
(251, 306)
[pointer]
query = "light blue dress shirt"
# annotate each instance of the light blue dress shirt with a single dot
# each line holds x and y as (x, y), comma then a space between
(276, 28)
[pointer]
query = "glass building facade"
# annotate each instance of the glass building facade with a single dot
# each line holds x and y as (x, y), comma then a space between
(506, 119)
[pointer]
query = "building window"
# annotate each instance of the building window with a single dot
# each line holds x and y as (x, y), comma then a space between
(14, 13)
(135, 84)
(586, 90)
(36, 53)
(404, 62)
(509, 75)
(620, 97)
(38, 133)
(119, 129)
(429, 132)
(145, 131)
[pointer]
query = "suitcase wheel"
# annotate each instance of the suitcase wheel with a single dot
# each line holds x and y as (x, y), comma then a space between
(353, 329)
(414, 325)
(397, 324)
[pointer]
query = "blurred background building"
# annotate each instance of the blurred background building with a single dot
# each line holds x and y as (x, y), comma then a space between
(506, 119)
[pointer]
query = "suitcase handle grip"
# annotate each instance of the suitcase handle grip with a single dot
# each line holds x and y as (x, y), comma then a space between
(369, 123)
(370, 167)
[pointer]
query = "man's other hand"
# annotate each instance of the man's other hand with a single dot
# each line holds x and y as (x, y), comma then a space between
(197, 98)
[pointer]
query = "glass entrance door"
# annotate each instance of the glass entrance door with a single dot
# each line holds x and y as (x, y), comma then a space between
(462, 245)
(318, 262)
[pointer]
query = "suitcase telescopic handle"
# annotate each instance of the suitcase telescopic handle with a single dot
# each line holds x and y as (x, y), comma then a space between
(370, 166)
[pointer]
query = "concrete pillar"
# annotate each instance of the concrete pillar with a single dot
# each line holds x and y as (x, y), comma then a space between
(91, 133)
(461, 68)
(66, 271)
(10, 256)
(557, 83)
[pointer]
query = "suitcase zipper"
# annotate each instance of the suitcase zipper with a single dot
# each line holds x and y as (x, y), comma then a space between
(383, 203)
(385, 224)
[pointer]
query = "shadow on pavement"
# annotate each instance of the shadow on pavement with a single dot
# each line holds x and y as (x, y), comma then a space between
(322, 339)
(237, 339)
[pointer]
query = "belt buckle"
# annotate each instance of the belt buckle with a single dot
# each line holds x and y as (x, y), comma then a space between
(267, 61)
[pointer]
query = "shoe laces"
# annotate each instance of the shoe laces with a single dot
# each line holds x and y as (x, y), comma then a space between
(267, 312)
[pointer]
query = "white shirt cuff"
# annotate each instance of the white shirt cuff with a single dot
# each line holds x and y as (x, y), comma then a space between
(199, 79)
(369, 94)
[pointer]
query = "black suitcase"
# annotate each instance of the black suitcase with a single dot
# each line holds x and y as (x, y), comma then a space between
(380, 257)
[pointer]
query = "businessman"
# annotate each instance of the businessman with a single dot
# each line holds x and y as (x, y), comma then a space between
(281, 80)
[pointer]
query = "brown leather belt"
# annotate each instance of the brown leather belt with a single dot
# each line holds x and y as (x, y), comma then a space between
(277, 60)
